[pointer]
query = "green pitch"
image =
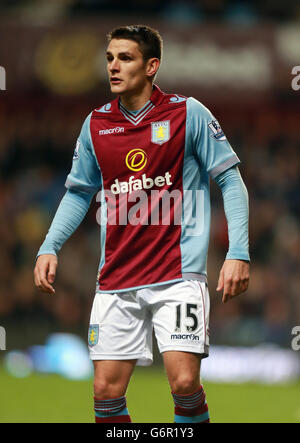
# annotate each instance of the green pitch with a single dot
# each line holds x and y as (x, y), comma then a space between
(52, 399)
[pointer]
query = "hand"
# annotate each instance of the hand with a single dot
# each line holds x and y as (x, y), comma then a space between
(233, 279)
(44, 273)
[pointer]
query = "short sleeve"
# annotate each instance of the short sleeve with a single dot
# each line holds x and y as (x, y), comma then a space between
(208, 141)
(85, 174)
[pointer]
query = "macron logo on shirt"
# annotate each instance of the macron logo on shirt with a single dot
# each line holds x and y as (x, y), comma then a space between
(116, 130)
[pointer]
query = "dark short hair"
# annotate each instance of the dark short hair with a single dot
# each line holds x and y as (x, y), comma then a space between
(149, 40)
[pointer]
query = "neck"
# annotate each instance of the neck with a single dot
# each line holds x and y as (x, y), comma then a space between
(137, 100)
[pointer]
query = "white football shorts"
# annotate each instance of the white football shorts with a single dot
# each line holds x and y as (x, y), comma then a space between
(122, 323)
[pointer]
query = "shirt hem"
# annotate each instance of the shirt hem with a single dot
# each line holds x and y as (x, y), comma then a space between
(185, 276)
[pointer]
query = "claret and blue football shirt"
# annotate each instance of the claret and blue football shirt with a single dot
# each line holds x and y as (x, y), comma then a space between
(153, 167)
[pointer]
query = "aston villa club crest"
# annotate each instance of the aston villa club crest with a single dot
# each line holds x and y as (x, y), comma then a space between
(93, 335)
(160, 132)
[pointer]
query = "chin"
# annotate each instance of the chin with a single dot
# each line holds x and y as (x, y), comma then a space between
(117, 89)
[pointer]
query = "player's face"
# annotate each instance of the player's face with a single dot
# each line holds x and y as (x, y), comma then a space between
(127, 70)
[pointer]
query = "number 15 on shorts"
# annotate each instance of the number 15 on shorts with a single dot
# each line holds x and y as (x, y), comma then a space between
(185, 312)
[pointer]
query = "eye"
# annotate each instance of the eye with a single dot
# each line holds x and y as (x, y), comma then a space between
(125, 58)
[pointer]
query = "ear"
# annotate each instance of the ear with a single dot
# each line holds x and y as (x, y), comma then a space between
(152, 66)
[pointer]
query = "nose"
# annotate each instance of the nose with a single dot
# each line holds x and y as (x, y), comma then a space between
(114, 65)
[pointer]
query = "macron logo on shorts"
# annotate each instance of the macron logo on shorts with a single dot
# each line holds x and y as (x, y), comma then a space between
(112, 131)
(184, 337)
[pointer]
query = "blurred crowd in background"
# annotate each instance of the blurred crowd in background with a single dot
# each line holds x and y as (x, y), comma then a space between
(231, 11)
(38, 133)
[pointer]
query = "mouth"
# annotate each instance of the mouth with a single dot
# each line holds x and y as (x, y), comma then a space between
(115, 80)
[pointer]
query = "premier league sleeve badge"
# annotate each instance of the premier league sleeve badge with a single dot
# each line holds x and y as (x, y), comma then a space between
(216, 130)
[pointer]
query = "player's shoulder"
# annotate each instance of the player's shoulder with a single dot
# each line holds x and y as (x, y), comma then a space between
(197, 109)
(173, 100)
(106, 110)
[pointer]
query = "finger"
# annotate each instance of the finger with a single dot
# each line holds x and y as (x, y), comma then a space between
(44, 285)
(241, 286)
(236, 288)
(39, 285)
(36, 278)
(220, 281)
(244, 286)
(225, 297)
(227, 291)
(52, 271)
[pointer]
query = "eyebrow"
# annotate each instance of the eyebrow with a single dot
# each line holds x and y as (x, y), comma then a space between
(121, 53)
